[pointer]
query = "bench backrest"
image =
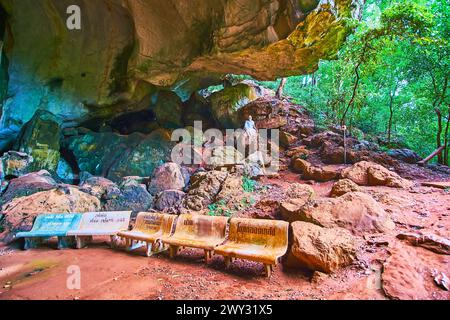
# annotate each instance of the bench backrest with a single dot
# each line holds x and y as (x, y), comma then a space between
(270, 233)
(103, 221)
(59, 223)
(200, 226)
(151, 223)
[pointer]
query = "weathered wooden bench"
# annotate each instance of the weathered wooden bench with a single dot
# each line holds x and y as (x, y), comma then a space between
(100, 224)
(257, 240)
(148, 231)
(47, 226)
(197, 231)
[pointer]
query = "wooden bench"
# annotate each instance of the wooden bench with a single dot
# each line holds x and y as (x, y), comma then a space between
(257, 240)
(47, 226)
(148, 231)
(197, 231)
(100, 224)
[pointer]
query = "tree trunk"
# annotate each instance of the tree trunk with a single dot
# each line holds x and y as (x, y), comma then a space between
(446, 140)
(391, 113)
(281, 88)
(355, 89)
(439, 134)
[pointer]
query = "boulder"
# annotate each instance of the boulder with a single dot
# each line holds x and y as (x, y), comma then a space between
(133, 196)
(405, 155)
(360, 213)
(65, 172)
(115, 156)
(225, 104)
(300, 191)
(264, 112)
(15, 164)
(27, 185)
(287, 139)
(203, 189)
(310, 172)
(344, 186)
(322, 249)
(100, 187)
(169, 200)
(166, 177)
(298, 152)
(40, 139)
(366, 173)
(20, 212)
(221, 157)
(354, 211)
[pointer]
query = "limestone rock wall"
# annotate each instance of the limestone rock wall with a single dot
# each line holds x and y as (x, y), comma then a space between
(127, 49)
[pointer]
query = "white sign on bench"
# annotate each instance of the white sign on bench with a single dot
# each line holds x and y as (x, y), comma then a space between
(100, 224)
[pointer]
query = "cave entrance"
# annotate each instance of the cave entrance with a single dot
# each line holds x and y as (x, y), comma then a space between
(142, 121)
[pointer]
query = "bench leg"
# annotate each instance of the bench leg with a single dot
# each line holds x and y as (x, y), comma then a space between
(149, 248)
(228, 261)
(268, 269)
(31, 243)
(82, 241)
(66, 242)
(173, 250)
(114, 241)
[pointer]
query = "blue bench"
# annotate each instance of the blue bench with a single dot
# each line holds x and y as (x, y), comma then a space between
(51, 225)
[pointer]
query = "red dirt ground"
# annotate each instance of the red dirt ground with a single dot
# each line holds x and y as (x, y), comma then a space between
(116, 274)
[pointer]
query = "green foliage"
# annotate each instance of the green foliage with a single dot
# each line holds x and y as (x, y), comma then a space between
(248, 184)
(391, 76)
(219, 209)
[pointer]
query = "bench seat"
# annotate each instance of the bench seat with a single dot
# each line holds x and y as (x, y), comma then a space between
(258, 240)
(197, 231)
(149, 229)
(206, 243)
(100, 224)
(48, 226)
(253, 252)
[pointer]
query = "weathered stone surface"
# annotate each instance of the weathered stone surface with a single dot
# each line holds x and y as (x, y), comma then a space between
(405, 155)
(310, 172)
(264, 112)
(227, 156)
(169, 200)
(100, 188)
(133, 196)
(225, 104)
(115, 156)
(300, 191)
(166, 177)
(40, 139)
(15, 164)
(428, 241)
(203, 189)
(367, 173)
(178, 45)
(354, 211)
(27, 185)
(322, 249)
(344, 186)
(287, 139)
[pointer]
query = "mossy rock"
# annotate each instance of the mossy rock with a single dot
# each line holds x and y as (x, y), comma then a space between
(40, 139)
(227, 102)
